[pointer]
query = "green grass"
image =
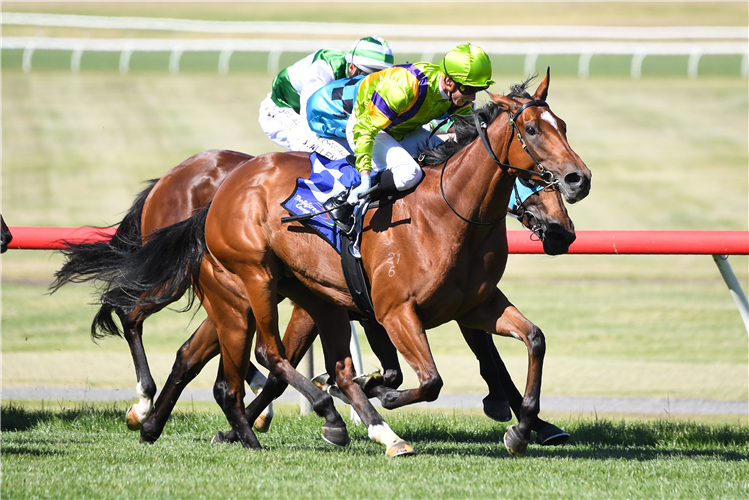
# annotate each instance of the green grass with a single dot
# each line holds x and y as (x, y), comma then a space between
(86, 451)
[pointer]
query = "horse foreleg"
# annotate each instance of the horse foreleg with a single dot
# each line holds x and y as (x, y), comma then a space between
(494, 372)
(498, 315)
(496, 404)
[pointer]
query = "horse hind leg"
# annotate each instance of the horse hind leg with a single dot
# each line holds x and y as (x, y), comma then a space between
(132, 326)
(200, 348)
(256, 380)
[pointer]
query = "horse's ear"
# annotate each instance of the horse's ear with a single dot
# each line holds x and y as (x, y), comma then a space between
(543, 89)
(507, 103)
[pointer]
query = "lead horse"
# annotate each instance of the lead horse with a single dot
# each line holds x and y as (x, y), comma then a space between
(429, 260)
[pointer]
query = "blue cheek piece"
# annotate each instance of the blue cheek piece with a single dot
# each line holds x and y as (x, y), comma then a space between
(523, 191)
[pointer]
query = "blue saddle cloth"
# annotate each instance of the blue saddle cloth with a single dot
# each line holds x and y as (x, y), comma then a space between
(328, 178)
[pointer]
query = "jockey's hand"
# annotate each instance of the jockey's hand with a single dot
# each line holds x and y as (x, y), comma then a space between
(364, 185)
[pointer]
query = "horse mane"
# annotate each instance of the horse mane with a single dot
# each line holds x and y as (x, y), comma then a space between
(465, 127)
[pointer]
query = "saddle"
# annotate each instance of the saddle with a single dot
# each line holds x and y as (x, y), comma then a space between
(305, 205)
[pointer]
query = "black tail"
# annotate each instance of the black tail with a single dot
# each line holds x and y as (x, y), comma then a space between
(101, 261)
(157, 274)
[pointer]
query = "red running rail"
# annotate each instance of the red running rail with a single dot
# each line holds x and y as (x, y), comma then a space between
(587, 242)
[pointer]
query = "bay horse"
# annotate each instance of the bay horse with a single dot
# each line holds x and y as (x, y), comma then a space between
(188, 187)
(445, 270)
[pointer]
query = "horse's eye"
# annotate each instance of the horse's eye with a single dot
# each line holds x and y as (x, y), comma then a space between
(530, 130)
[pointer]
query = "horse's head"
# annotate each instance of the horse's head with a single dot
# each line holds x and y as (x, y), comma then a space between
(545, 135)
(543, 212)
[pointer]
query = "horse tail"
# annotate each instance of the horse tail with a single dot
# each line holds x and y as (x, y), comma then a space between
(101, 260)
(159, 273)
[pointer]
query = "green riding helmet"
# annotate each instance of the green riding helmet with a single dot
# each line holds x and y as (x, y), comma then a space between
(468, 66)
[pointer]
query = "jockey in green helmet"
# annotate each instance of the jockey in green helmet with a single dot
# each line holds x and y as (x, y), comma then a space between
(385, 129)
(282, 113)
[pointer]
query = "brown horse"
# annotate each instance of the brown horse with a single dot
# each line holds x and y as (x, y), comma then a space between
(444, 269)
(184, 190)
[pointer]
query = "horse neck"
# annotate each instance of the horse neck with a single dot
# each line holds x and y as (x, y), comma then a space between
(476, 186)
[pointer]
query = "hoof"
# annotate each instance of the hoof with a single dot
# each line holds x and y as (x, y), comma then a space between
(323, 381)
(337, 436)
(550, 435)
(262, 423)
(132, 421)
(225, 437)
(497, 410)
(400, 448)
(515, 444)
(370, 380)
(220, 437)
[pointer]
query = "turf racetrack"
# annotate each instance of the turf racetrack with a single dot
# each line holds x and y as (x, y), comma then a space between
(666, 152)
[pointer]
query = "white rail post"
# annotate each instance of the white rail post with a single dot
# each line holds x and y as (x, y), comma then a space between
(306, 368)
(530, 63)
(358, 365)
(75, 59)
(174, 58)
(125, 60)
(274, 58)
(223, 59)
(583, 65)
(734, 287)
(693, 63)
(28, 53)
(635, 70)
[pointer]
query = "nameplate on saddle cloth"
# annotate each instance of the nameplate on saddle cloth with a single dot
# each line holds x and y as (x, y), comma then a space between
(328, 178)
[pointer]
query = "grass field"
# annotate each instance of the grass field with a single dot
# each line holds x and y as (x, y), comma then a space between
(86, 452)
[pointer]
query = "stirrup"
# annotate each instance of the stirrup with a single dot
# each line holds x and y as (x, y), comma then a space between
(341, 212)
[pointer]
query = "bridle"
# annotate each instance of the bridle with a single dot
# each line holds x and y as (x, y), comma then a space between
(544, 176)
(517, 209)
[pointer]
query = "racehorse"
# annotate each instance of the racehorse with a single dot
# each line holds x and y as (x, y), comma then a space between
(446, 270)
(188, 187)
(5, 236)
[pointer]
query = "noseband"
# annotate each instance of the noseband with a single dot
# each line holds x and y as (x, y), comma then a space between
(544, 176)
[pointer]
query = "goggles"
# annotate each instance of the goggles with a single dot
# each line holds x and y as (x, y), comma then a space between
(468, 89)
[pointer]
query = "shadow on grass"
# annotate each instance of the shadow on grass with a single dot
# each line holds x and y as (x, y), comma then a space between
(591, 439)
(17, 418)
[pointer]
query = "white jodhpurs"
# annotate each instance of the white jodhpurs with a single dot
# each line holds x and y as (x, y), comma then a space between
(398, 157)
(289, 130)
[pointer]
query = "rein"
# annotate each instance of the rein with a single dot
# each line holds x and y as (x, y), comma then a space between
(544, 175)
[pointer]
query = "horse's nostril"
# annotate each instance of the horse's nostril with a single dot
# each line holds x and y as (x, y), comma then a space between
(573, 179)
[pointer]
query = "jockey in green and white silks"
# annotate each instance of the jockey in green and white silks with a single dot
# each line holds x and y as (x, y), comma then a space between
(386, 127)
(283, 112)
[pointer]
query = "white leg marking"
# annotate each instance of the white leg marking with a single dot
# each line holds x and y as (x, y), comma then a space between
(515, 334)
(547, 117)
(144, 406)
(382, 434)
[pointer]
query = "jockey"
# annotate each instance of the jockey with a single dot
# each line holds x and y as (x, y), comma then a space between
(385, 129)
(283, 112)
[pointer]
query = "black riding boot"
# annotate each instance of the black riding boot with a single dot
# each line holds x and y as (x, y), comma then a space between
(341, 211)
